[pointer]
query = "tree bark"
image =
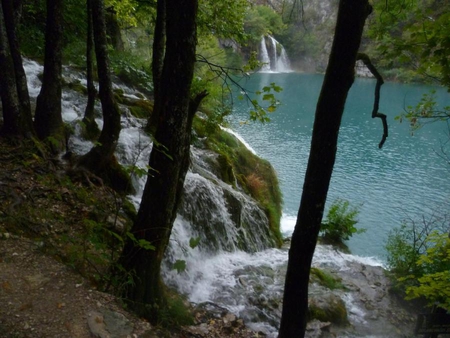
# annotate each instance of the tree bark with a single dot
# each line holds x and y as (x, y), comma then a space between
(89, 114)
(10, 101)
(158, 60)
(11, 20)
(100, 158)
(48, 120)
(338, 80)
(169, 161)
(17, 119)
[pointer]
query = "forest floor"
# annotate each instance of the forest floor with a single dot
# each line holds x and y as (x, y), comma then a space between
(49, 271)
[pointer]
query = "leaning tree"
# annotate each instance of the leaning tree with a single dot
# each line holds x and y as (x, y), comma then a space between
(339, 78)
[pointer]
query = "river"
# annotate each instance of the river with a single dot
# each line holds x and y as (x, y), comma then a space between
(408, 178)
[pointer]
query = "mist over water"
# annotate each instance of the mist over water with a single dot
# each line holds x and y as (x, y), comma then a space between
(407, 178)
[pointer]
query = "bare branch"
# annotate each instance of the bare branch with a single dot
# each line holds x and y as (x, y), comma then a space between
(375, 113)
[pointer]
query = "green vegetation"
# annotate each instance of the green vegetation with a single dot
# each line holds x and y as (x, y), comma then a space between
(419, 259)
(325, 279)
(240, 166)
(411, 39)
(339, 224)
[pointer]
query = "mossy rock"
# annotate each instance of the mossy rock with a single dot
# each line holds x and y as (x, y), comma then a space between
(226, 170)
(328, 308)
(254, 175)
(325, 279)
(141, 108)
(78, 87)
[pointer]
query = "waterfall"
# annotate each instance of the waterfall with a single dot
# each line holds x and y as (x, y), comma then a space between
(233, 265)
(264, 55)
(275, 58)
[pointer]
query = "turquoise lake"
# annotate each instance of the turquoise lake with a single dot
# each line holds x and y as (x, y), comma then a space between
(407, 179)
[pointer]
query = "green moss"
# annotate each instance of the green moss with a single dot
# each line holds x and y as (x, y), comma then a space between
(140, 108)
(255, 175)
(326, 279)
(331, 309)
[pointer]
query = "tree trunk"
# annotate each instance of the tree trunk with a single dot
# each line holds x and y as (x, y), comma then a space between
(48, 119)
(10, 101)
(101, 157)
(338, 80)
(169, 161)
(91, 126)
(13, 88)
(158, 60)
(11, 21)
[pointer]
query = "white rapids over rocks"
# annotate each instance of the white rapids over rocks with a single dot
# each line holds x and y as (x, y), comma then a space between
(247, 284)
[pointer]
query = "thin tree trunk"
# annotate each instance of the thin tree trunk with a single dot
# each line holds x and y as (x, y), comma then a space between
(338, 80)
(100, 157)
(169, 161)
(158, 60)
(48, 119)
(89, 114)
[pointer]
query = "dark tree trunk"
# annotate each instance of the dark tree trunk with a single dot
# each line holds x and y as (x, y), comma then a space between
(113, 31)
(11, 20)
(169, 160)
(14, 96)
(100, 158)
(158, 60)
(89, 114)
(338, 80)
(48, 120)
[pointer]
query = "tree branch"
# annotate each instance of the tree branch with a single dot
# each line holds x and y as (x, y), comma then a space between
(375, 113)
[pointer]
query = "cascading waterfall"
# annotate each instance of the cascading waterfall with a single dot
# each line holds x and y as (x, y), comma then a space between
(274, 61)
(234, 265)
(264, 56)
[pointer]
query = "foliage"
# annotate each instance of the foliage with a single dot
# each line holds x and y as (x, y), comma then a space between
(426, 111)
(413, 34)
(434, 284)
(223, 19)
(132, 70)
(339, 224)
(261, 21)
(419, 257)
(260, 112)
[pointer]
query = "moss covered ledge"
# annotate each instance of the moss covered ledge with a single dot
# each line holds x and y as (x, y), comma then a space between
(244, 170)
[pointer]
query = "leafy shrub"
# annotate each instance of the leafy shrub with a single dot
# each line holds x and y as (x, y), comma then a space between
(419, 258)
(339, 224)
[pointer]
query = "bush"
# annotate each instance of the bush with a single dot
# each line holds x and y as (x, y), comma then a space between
(419, 258)
(339, 224)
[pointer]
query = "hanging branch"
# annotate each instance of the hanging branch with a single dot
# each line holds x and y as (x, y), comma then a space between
(375, 113)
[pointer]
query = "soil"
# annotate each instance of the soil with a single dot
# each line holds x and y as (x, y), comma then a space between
(52, 262)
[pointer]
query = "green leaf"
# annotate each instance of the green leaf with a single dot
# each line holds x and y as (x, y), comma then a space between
(193, 242)
(144, 244)
(179, 265)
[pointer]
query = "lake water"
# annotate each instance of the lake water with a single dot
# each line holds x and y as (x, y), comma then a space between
(408, 178)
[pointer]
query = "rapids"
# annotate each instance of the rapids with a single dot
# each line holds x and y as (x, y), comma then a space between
(235, 268)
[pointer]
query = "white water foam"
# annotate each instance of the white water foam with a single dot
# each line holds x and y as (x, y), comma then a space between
(236, 280)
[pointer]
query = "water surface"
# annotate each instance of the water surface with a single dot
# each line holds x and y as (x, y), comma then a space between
(407, 178)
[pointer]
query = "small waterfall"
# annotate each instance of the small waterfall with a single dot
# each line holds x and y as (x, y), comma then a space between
(274, 56)
(264, 55)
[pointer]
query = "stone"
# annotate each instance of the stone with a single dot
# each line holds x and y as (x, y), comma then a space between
(106, 323)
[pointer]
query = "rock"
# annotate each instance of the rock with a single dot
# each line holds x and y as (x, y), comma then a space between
(109, 324)
(328, 307)
(229, 318)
